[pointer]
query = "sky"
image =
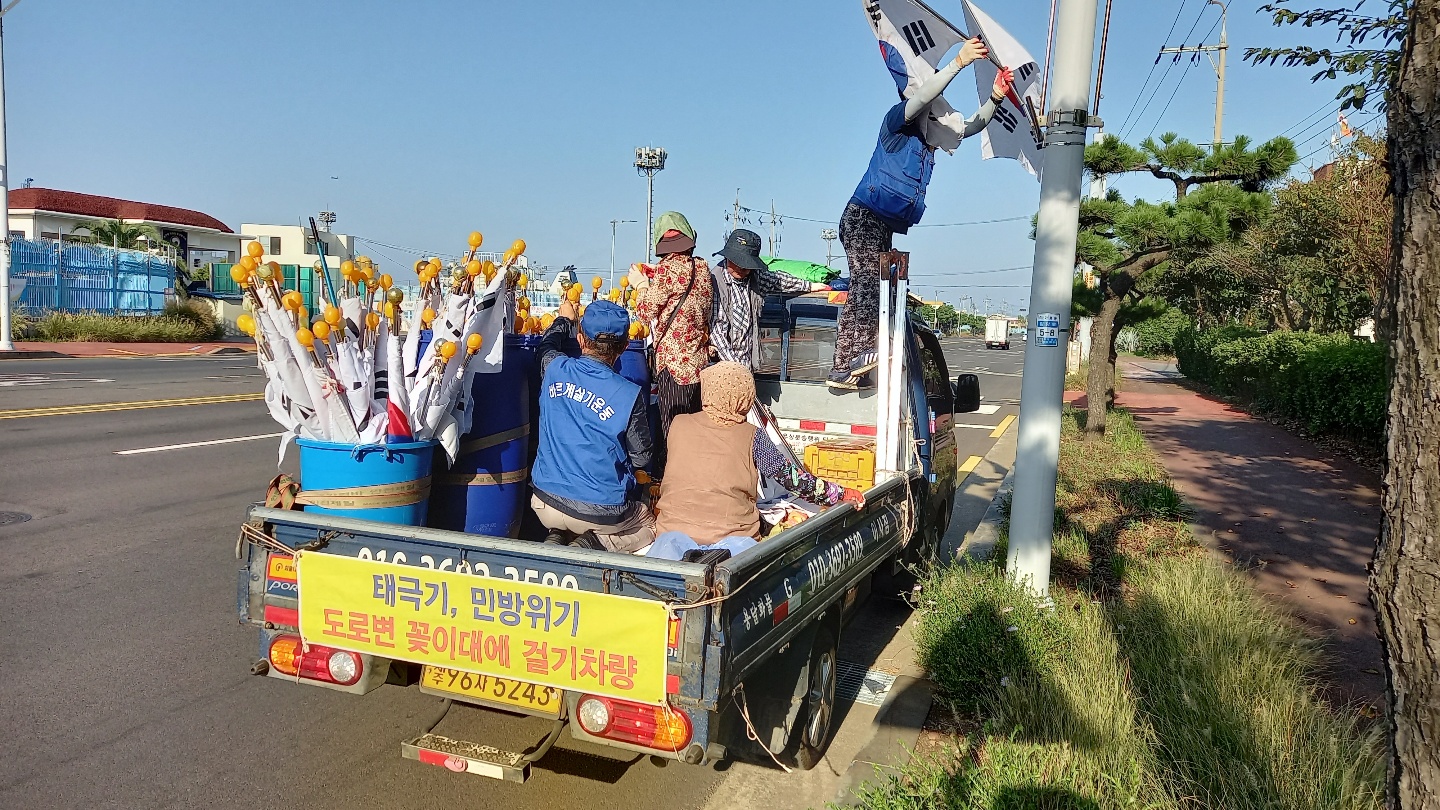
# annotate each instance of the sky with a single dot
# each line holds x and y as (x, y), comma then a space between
(420, 122)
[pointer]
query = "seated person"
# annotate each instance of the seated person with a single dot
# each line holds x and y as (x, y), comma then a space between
(716, 459)
(594, 434)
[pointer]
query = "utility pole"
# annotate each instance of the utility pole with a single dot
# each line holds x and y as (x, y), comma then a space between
(1097, 183)
(649, 160)
(1221, 48)
(774, 249)
(1056, 233)
(6, 343)
(614, 223)
(829, 235)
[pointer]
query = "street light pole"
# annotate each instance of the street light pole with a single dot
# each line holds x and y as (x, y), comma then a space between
(829, 235)
(1032, 515)
(6, 342)
(649, 160)
(614, 223)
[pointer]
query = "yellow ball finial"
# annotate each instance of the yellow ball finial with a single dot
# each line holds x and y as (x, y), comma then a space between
(245, 322)
(474, 267)
(347, 269)
(321, 330)
(305, 336)
(447, 349)
(597, 282)
(254, 250)
(427, 317)
(518, 247)
(474, 341)
(239, 274)
(386, 282)
(372, 321)
(332, 315)
(249, 263)
(476, 239)
(573, 293)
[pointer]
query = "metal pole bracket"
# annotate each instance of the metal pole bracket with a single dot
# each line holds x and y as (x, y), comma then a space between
(896, 263)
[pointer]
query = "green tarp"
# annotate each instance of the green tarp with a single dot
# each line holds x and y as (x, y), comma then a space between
(809, 271)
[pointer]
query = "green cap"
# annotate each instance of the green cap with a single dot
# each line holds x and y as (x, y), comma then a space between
(673, 221)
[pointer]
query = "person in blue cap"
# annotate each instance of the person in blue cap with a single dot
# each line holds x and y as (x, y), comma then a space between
(891, 198)
(594, 435)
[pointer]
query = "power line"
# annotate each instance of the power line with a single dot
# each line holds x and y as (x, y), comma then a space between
(1328, 107)
(1326, 145)
(1146, 83)
(972, 272)
(1173, 94)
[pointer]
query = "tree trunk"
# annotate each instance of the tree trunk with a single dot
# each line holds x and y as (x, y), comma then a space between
(1099, 383)
(1405, 578)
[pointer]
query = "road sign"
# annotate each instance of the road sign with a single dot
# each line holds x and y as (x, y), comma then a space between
(1047, 329)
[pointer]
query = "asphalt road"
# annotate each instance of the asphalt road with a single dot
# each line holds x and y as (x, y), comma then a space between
(126, 675)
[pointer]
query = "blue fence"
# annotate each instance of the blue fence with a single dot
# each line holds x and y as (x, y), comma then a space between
(89, 278)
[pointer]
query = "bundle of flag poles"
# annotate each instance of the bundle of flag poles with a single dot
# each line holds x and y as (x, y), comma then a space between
(355, 374)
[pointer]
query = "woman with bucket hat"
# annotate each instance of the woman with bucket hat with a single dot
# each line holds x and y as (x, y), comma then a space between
(675, 302)
(891, 198)
(739, 282)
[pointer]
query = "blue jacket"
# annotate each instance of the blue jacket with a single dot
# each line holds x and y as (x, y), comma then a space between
(585, 409)
(899, 171)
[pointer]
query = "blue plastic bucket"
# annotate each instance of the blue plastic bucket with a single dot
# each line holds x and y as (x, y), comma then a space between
(487, 488)
(386, 483)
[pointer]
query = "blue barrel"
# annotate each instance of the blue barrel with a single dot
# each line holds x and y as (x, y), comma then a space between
(633, 366)
(488, 487)
(386, 483)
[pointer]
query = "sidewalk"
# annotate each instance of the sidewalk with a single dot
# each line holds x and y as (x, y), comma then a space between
(30, 350)
(1305, 518)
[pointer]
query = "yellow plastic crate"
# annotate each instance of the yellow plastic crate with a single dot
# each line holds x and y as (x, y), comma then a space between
(849, 462)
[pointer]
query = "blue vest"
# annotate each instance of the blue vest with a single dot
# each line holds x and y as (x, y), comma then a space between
(584, 410)
(899, 171)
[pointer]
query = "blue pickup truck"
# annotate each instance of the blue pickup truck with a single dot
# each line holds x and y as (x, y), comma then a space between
(752, 639)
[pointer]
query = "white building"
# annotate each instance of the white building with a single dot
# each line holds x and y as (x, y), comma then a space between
(292, 244)
(45, 213)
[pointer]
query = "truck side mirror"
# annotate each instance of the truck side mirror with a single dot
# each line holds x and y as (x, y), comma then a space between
(967, 393)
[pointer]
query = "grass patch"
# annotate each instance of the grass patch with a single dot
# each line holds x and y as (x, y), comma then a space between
(1156, 677)
(180, 323)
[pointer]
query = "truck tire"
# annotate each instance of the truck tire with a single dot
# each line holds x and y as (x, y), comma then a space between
(812, 733)
(900, 584)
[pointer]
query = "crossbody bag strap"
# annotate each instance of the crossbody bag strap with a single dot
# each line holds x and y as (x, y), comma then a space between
(680, 303)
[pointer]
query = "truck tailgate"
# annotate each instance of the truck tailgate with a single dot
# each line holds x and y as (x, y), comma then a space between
(262, 602)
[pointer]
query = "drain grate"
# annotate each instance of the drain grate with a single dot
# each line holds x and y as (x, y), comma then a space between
(7, 518)
(856, 684)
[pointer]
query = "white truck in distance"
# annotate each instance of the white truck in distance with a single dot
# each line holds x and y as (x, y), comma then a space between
(997, 332)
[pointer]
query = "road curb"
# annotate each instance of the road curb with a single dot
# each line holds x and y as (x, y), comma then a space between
(18, 354)
(902, 716)
(897, 728)
(980, 543)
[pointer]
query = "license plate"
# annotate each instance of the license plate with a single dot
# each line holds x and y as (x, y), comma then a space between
(536, 699)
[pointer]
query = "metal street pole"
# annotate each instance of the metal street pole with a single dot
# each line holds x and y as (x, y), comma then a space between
(648, 161)
(614, 223)
(1220, 84)
(829, 235)
(1032, 515)
(6, 343)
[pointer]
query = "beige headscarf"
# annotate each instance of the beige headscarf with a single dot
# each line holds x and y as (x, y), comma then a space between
(727, 390)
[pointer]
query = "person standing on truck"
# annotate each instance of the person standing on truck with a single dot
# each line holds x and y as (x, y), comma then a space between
(710, 495)
(891, 198)
(675, 302)
(739, 283)
(594, 434)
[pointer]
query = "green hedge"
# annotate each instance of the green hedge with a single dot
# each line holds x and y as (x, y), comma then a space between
(1155, 337)
(1332, 383)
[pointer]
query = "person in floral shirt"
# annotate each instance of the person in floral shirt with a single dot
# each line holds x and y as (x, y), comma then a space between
(679, 322)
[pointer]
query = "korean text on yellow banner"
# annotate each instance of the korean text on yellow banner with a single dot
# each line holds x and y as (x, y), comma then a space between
(588, 642)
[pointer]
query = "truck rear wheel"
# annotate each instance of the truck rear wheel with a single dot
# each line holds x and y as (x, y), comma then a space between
(813, 732)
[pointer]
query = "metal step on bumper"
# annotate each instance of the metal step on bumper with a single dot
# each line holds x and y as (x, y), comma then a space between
(462, 756)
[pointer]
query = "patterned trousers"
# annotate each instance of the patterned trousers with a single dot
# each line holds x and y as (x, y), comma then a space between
(864, 237)
(674, 399)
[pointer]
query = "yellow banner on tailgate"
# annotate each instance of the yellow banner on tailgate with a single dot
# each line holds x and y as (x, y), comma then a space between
(587, 642)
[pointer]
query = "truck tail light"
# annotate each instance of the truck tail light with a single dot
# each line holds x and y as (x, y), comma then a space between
(318, 663)
(659, 727)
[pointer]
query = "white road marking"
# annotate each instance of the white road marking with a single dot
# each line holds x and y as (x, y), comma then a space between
(16, 380)
(999, 374)
(988, 410)
(232, 376)
(974, 427)
(187, 445)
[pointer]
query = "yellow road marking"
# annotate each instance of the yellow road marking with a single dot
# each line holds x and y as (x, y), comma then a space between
(104, 407)
(1002, 427)
(970, 464)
